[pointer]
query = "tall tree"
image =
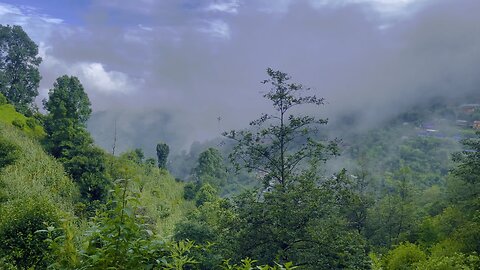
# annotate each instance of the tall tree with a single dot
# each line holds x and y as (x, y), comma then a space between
(68, 109)
(211, 168)
(469, 160)
(162, 155)
(19, 62)
(464, 191)
(68, 99)
(278, 145)
(68, 140)
(298, 215)
(393, 218)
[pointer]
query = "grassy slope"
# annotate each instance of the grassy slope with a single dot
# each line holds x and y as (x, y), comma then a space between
(8, 115)
(34, 176)
(166, 198)
(161, 196)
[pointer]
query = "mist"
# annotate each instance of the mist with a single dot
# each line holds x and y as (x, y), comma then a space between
(184, 71)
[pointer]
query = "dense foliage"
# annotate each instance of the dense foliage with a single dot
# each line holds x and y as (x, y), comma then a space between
(8, 153)
(162, 154)
(68, 140)
(19, 75)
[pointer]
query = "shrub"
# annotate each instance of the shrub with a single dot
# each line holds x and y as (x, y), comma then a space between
(120, 239)
(195, 231)
(454, 261)
(206, 193)
(404, 257)
(87, 168)
(18, 123)
(9, 152)
(190, 190)
(31, 123)
(21, 244)
(3, 99)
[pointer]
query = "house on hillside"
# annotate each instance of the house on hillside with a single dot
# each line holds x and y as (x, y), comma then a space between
(476, 125)
(469, 108)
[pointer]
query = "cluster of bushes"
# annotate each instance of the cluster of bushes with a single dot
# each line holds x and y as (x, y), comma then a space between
(411, 256)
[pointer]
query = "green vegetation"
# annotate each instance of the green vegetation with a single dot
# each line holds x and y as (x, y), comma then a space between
(211, 168)
(19, 75)
(162, 155)
(160, 195)
(9, 153)
(34, 192)
(29, 125)
(300, 216)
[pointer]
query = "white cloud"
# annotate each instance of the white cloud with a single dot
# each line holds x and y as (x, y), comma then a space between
(384, 7)
(216, 28)
(24, 15)
(95, 76)
(51, 20)
(38, 26)
(278, 6)
(6, 9)
(390, 7)
(224, 6)
(145, 28)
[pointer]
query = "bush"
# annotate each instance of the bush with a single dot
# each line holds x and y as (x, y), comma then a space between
(455, 261)
(94, 187)
(3, 99)
(9, 152)
(87, 168)
(404, 257)
(18, 123)
(195, 231)
(120, 239)
(31, 123)
(190, 191)
(22, 245)
(206, 193)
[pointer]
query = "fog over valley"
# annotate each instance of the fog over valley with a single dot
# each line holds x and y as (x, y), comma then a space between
(168, 70)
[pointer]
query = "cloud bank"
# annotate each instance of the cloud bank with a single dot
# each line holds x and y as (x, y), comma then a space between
(167, 70)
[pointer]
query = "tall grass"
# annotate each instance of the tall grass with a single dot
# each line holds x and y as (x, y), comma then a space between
(34, 174)
(10, 117)
(161, 197)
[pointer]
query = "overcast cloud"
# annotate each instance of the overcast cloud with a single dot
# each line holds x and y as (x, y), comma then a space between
(166, 70)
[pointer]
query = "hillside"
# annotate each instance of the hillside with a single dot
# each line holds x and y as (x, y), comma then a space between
(34, 174)
(159, 194)
(36, 193)
(10, 117)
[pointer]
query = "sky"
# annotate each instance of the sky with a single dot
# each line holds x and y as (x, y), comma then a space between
(169, 69)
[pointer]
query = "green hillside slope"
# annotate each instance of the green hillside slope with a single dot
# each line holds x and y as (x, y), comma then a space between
(34, 174)
(160, 195)
(36, 193)
(9, 116)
